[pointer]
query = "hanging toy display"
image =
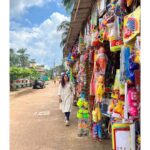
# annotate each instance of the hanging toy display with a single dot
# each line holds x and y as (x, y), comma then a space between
(105, 59)
(83, 116)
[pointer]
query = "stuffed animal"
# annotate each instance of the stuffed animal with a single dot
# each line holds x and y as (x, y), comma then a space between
(133, 100)
(132, 66)
(119, 109)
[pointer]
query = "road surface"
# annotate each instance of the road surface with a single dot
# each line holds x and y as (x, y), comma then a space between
(36, 123)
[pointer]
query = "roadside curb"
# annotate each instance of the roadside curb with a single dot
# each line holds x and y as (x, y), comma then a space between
(21, 91)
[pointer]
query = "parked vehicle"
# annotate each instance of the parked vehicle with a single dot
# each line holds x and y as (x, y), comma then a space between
(39, 84)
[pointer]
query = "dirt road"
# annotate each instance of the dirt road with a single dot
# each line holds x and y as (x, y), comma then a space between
(36, 123)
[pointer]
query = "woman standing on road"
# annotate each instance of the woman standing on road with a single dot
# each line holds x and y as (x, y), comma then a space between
(66, 93)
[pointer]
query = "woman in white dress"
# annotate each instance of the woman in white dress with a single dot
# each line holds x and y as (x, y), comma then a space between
(66, 93)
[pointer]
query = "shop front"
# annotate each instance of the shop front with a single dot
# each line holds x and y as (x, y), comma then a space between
(103, 62)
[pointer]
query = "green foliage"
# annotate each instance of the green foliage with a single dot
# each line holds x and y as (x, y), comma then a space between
(14, 61)
(20, 59)
(64, 26)
(68, 4)
(19, 72)
(23, 57)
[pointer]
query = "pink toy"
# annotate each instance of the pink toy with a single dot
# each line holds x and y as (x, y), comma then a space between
(133, 100)
(101, 61)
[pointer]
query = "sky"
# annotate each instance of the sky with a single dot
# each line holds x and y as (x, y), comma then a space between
(33, 25)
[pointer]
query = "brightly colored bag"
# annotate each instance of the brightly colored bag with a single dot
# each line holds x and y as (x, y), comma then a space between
(115, 35)
(132, 25)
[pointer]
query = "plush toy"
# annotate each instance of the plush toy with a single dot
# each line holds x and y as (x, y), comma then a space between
(133, 100)
(80, 102)
(119, 109)
(85, 104)
(132, 66)
(80, 113)
(85, 114)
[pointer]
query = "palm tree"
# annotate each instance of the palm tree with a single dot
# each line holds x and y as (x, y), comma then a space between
(68, 4)
(23, 57)
(14, 61)
(64, 26)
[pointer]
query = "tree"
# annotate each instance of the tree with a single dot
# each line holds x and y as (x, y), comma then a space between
(19, 72)
(23, 58)
(68, 4)
(64, 26)
(14, 61)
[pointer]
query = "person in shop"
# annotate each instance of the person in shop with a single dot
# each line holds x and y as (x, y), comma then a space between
(66, 94)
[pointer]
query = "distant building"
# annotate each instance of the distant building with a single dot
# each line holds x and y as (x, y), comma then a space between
(32, 63)
(40, 69)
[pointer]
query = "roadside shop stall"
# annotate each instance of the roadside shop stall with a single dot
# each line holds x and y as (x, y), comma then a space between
(104, 64)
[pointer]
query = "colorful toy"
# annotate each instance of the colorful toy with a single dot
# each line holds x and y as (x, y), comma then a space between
(111, 106)
(100, 89)
(131, 25)
(85, 114)
(80, 113)
(133, 100)
(132, 66)
(94, 131)
(119, 109)
(99, 131)
(101, 60)
(115, 35)
(129, 2)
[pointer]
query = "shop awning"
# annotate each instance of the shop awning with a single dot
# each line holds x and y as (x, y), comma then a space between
(80, 13)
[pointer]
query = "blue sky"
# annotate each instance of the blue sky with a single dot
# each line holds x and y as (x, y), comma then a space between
(33, 25)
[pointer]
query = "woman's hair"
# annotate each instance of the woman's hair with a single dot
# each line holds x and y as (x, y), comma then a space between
(63, 80)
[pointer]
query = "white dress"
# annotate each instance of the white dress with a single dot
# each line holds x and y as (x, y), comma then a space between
(66, 93)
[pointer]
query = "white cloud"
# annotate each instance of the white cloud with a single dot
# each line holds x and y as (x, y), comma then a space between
(41, 41)
(19, 7)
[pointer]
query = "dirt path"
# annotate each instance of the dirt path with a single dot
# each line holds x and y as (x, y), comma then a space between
(36, 123)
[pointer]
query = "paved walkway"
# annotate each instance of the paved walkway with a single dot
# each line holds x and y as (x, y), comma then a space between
(36, 123)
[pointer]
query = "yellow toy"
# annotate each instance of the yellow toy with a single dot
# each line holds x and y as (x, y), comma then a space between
(100, 89)
(137, 57)
(96, 114)
(119, 108)
(111, 106)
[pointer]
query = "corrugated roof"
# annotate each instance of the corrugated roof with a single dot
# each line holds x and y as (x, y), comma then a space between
(80, 13)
